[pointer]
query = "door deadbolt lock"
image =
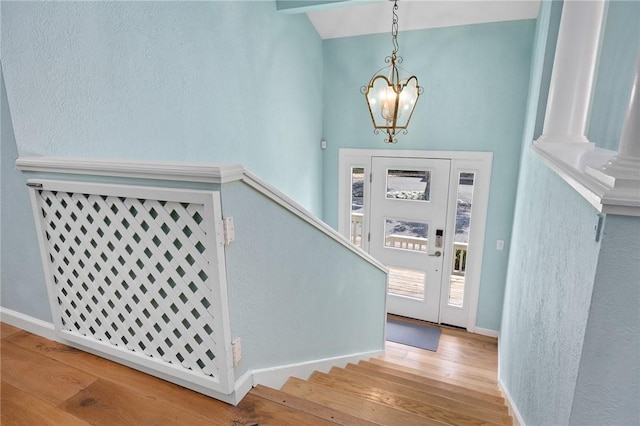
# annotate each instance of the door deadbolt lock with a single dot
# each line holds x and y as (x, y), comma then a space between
(436, 254)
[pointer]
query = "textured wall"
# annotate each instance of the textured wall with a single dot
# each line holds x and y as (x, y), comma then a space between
(22, 286)
(294, 293)
(192, 81)
(608, 386)
(475, 80)
(551, 269)
(208, 81)
(569, 337)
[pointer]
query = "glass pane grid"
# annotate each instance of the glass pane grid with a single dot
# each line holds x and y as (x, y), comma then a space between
(405, 235)
(412, 185)
(357, 205)
(461, 240)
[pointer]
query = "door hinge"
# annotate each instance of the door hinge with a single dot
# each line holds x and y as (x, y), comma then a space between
(370, 177)
(369, 237)
(229, 230)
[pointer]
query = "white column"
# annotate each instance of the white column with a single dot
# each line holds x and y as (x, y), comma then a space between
(625, 167)
(573, 72)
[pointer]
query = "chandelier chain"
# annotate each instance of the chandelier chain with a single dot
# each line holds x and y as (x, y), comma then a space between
(394, 28)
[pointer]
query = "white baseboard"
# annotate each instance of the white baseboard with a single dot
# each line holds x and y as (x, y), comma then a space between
(513, 409)
(30, 324)
(275, 377)
(486, 332)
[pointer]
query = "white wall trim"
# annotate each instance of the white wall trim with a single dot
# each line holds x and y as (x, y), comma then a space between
(578, 165)
(486, 332)
(32, 325)
(158, 170)
(513, 409)
(275, 377)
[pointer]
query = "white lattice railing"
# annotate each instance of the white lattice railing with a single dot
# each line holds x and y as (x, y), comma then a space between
(137, 273)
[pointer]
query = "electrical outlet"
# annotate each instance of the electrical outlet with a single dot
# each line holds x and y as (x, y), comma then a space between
(236, 350)
(500, 245)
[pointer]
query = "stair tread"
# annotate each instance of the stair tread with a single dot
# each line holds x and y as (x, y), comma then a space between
(353, 405)
(444, 373)
(309, 407)
(460, 394)
(422, 377)
(399, 400)
(432, 399)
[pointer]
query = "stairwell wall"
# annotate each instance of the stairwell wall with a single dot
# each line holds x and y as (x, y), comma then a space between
(213, 82)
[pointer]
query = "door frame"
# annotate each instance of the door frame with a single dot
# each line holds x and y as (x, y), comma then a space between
(461, 161)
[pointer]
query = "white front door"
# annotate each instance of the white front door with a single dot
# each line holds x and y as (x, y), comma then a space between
(409, 199)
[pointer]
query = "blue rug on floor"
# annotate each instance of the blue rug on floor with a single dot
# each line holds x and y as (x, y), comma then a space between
(416, 335)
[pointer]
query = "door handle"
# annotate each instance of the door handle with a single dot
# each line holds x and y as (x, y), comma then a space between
(436, 254)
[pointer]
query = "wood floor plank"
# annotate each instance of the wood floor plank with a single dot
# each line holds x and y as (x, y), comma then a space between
(459, 394)
(310, 407)
(7, 330)
(422, 377)
(432, 399)
(20, 408)
(350, 404)
(106, 403)
(40, 376)
(467, 365)
(126, 377)
(397, 400)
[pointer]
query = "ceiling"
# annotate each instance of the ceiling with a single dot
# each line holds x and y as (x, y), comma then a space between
(355, 18)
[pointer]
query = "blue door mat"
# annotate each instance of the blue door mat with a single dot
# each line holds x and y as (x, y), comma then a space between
(416, 335)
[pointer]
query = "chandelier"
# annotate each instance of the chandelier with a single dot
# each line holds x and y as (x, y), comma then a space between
(391, 99)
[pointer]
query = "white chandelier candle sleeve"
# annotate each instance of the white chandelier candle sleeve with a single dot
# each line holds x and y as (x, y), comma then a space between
(392, 99)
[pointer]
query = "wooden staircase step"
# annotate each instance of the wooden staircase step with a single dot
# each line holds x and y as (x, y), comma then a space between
(421, 377)
(353, 405)
(451, 377)
(429, 360)
(310, 407)
(461, 395)
(368, 391)
(432, 399)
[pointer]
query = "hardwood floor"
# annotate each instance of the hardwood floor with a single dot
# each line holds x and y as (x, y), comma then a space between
(47, 383)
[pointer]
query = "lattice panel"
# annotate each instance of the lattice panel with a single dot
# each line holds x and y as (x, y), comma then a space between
(133, 272)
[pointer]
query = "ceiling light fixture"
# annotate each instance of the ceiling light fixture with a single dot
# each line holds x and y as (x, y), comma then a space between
(391, 99)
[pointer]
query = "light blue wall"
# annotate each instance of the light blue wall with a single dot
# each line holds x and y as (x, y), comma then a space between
(551, 269)
(294, 293)
(619, 44)
(608, 386)
(22, 285)
(185, 81)
(557, 275)
(221, 82)
(475, 81)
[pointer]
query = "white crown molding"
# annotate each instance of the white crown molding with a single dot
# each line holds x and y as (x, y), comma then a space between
(159, 170)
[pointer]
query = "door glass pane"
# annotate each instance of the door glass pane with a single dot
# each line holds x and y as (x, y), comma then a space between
(461, 240)
(405, 235)
(409, 185)
(406, 282)
(357, 205)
